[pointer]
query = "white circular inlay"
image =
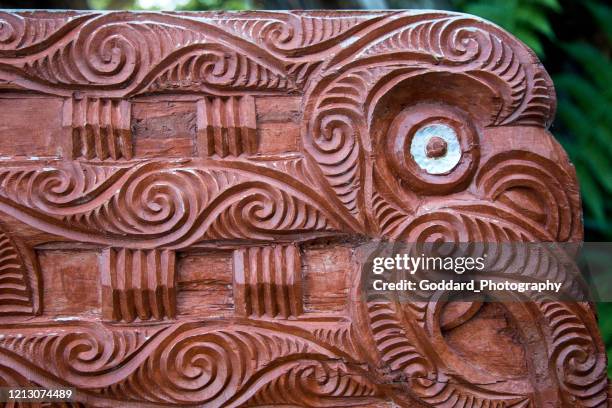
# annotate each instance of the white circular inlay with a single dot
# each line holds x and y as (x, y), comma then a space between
(436, 165)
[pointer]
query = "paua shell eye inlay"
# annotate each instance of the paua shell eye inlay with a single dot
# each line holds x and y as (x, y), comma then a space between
(431, 148)
(435, 148)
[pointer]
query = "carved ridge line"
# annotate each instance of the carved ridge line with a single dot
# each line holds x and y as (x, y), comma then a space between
(19, 291)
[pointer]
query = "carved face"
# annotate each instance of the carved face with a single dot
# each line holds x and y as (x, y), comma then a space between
(413, 126)
(444, 130)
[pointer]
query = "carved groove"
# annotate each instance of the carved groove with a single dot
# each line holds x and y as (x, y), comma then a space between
(18, 295)
(226, 126)
(138, 284)
(99, 128)
(267, 281)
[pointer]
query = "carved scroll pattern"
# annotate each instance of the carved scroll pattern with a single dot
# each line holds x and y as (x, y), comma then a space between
(348, 68)
(201, 363)
(162, 204)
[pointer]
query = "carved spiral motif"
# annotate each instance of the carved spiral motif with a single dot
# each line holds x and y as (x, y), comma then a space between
(191, 363)
(111, 54)
(164, 203)
(461, 41)
(12, 28)
(198, 367)
(19, 32)
(158, 202)
(257, 210)
(578, 355)
(576, 361)
(150, 199)
(293, 32)
(456, 39)
(280, 35)
(216, 67)
(55, 187)
(118, 51)
(535, 188)
(79, 355)
(334, 143)
(335, 135)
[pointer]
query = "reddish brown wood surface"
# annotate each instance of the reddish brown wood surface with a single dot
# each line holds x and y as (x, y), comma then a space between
(179, 197)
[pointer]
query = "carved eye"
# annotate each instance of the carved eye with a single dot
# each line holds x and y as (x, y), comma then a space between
(433, 148)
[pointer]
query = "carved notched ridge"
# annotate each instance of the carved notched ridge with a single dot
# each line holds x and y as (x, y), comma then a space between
(20, 286)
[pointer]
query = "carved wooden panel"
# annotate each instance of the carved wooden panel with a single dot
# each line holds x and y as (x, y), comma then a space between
(180, 196)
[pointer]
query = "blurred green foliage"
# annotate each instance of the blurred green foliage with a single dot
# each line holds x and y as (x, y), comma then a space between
(215, 5)
(527, 19)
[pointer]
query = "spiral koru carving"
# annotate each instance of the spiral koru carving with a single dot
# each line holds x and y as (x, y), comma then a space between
(161, 204)
(213, 365)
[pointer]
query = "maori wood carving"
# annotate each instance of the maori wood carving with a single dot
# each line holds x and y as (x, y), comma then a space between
(181, 196)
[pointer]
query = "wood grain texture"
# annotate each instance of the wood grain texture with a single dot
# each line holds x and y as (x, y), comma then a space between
(182, 197)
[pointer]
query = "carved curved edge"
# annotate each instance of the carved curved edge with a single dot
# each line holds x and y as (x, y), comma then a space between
(367, 82)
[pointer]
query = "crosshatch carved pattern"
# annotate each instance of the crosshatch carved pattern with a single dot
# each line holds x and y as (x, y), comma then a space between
(179, 194)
